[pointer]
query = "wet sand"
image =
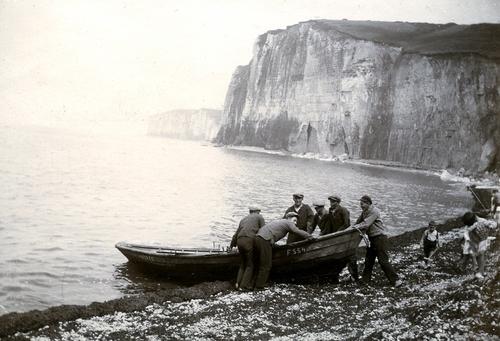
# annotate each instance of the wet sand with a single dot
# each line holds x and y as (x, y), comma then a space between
(442, 302)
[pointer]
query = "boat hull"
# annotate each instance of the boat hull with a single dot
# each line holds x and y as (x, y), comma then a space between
(325, 255)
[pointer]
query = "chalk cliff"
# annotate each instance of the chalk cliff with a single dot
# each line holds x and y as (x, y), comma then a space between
(423, 95)
(202, 124)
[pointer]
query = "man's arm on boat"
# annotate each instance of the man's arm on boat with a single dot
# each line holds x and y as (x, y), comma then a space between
(300, 232)
(235, 236)
(368, 220)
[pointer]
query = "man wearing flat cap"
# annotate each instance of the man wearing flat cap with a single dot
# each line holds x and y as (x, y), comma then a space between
(244, 239)
(267, 236)
(321, 219)
(340, 219)
(304, 219)
(339, 214)
(376, 231)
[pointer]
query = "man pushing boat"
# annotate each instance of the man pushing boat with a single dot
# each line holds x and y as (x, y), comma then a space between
(267, 236)
(244, 239)
(339, 221)
(305, 216)
(377, 248)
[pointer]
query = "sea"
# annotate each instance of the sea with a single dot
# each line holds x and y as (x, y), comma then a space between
(67, 197)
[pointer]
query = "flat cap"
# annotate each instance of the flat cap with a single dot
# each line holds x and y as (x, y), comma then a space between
(254, 208)
(334, 198)
(318, 204)
(366, 198)
(298, 195)
(291, 214)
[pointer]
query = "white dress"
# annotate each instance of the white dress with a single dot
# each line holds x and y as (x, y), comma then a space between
(467, 250)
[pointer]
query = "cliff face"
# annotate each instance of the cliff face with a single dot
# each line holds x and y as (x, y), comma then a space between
(420, 94)
(202, 124)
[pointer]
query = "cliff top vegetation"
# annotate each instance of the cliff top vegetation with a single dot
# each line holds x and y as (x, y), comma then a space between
(421, 38)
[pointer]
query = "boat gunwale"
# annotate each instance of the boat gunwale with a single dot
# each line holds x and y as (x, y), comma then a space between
(189, 253)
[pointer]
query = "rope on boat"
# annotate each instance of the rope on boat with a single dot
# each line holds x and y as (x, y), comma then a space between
(363, 235)
(477, 198)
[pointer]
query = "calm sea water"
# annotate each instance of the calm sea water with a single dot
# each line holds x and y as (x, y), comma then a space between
(67, 198)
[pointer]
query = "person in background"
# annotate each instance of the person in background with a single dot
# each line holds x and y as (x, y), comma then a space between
(340, 215)
(430, 242)
(376, 231)
(244, 239)
(322, 219)
(267, 236)
(478, 229)
(305, 216)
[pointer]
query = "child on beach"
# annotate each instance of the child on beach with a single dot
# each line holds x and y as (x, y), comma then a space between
(478, 230)
(430, 242)
(467, 254)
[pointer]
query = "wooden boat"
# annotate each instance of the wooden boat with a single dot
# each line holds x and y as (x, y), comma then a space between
(325, 255)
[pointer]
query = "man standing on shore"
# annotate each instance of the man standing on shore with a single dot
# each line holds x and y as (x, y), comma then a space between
(267, 236)
(340, 215)
(244, 239)
(340, 220)
(376, 231)
(305, 216)
(321, 219)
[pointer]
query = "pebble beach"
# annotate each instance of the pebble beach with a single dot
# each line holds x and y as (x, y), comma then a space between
(442, 302)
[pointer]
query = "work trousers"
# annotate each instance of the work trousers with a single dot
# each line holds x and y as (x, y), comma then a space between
(264, 252)
(378, 250)
(245, 273)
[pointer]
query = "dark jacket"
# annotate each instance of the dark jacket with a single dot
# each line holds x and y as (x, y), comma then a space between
(304, 222)
(323, 222)
(340, 219)
(305, 218)
(248, 227)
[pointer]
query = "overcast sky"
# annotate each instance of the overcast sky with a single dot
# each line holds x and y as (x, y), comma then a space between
(67, 61)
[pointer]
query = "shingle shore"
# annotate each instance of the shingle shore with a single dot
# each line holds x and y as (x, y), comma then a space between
(439, 303)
